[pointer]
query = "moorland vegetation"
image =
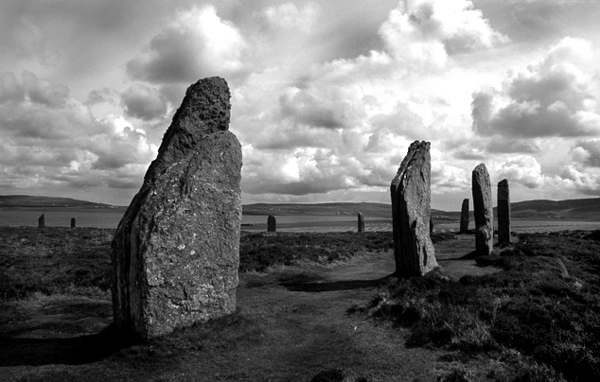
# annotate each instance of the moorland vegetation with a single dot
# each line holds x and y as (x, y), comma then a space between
(537, 319)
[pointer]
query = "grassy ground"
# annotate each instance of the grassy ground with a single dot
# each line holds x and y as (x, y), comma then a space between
(314, 307)
(537, 320)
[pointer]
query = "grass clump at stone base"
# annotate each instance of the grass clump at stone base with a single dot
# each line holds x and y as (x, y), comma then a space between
(537, 320)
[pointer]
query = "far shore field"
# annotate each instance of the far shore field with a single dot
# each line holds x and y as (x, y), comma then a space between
(110, 217)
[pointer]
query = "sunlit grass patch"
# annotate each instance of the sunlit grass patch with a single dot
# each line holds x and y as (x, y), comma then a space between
(545, 305)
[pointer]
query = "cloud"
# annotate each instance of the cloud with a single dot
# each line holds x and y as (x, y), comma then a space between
(587, 152)
(197, 44)
(287, 17)
(334, 107)
(584, 182)
(426, 32)
(144, 102)
(555, 97)
(50, 139)
(522, 169)
(345, 124)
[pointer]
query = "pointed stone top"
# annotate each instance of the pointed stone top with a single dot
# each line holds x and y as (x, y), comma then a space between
(503, 183)
(480, 168)
(416, 148)
(204, 110)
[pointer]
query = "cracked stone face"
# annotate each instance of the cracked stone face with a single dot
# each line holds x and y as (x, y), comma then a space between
(176, 250)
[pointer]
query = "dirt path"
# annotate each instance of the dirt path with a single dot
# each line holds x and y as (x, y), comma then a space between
(292, 324)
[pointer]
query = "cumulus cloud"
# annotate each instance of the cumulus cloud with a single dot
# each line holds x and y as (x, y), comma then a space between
(555, 97)
(584, 182)
(427, 31)
(51, 139)
(522, 169)
(144, 102)
(353, 118)
(197, 44)
(587, 152)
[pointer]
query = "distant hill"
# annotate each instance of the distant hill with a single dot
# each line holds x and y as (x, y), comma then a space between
(575, 209)
(324, 209)
(583, 209)
(25, 201)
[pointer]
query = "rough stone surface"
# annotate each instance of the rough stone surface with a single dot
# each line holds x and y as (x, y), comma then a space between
(42, 221)
(176, 250)
(361, 222)
(271, 224)
(503, 212)
(411, 212)
(73, 223)
(464, 216)
(482, 210)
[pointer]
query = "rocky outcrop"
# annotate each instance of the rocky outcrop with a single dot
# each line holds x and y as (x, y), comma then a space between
(503, 212)
(464, 216)
(271, 224)
(482, 210)
(176, 250)
(361, 222)
(411, 212)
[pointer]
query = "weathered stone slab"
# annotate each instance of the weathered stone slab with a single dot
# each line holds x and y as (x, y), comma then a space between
(42, 221)
(503, 212)
(464, 216)
(271, 224)
(361, 222)
(411, 212)
(176, 250)
(73, 223)
(482, 210)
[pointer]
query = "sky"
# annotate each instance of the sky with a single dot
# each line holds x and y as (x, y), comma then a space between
(326, 96)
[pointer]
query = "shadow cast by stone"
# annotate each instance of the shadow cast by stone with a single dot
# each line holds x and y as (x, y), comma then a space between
(67, 351)
(333, 286)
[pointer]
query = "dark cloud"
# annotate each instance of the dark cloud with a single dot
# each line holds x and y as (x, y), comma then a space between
(329, 110)
(144, 102)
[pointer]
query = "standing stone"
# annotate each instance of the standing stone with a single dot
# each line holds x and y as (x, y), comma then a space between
(411, 211)
(271, 224)
(176, 250)
(430, 225)
(464, 216)
(42, 221)
(73, 223)
(503, 212)
(361, 222)
(482, 210)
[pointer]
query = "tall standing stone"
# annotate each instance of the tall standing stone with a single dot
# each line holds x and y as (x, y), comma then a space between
(176, 250)
(503, 212)
(482, 210)
(361, 222)
(271, 224)
(42, 221)
(464, 216)
(73, 223)
(411, 211)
